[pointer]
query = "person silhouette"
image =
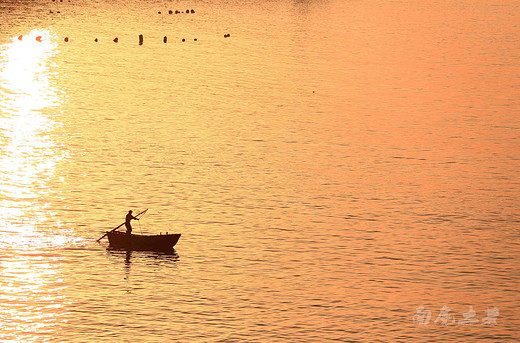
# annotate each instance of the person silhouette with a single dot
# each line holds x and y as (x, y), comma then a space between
(128, 218)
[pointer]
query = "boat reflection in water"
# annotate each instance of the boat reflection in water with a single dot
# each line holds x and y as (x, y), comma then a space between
(136, 263)
(154, 257)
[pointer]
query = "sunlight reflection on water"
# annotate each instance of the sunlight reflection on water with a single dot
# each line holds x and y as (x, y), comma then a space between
(332, 166)
(29, 271)
(29, 156)
(32, 303)
(26, 64)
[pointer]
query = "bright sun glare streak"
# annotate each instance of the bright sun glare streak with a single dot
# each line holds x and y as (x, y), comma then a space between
(25, 65)
(27, 155)
(30, 287)
(24, 74)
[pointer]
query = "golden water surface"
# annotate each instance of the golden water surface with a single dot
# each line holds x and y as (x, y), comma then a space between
(339, 170)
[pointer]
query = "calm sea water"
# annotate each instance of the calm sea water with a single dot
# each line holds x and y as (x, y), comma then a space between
(340, 171)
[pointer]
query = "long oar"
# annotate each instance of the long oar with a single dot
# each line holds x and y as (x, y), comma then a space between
(114, 229)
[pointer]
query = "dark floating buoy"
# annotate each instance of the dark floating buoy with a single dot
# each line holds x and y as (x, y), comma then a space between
(195, 39)
(187, 11)
(66, 39)
(165, 39)
(170, 12)
(227, 35)
(183, 40)
(116, 40)
(141, 39)
(177, 12)
(95, 40)
(51, 12)
(192, 11)
(159, 12)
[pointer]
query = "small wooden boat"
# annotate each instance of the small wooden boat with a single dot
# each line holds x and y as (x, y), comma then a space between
(121, 240)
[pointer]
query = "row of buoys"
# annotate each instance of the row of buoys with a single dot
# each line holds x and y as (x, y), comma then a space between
(169, 12)
(165, 39)
(178, 12)
(141, 39)
(116, 40)
(38, 38)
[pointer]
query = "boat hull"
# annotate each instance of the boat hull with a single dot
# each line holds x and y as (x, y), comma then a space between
(121, 240)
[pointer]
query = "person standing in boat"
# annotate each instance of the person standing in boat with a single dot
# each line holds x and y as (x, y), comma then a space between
(128, 218)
